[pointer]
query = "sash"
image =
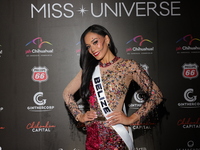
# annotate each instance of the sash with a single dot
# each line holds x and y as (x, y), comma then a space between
(99, 90)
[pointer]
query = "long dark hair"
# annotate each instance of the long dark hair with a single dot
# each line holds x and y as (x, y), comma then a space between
(88, 62)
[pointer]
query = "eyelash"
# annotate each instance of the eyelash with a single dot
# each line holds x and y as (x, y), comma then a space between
(94, 43)
(87, 47)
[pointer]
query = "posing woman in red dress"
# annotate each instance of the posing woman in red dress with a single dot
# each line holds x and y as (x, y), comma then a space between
(97, 48)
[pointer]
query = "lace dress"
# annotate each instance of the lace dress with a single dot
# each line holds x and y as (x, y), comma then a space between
(116, 78)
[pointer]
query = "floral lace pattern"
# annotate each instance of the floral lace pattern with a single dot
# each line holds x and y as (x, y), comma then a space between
(72, 105)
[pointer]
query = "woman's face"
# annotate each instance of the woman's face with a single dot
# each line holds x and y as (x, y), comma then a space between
(97, 45)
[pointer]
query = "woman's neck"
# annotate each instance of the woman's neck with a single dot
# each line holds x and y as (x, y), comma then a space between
(109, 56)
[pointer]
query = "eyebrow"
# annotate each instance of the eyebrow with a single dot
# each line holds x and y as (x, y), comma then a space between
(94, 39)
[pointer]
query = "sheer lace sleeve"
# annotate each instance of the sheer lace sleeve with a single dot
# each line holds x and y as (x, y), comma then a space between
(68, 93)
(149, 87)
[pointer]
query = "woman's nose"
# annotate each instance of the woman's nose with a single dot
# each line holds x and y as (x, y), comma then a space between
(92, 48)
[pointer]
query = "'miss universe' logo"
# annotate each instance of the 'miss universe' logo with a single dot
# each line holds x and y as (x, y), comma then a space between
(99, 9)
(188, 44)
(39, 49)
(139, 45)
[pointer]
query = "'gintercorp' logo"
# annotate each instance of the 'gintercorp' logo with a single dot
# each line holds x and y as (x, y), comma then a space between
(139, 98)
(37, 100)
(144, 46)
(191, 97)
(40, 103)
(38, 42)
(188, 95)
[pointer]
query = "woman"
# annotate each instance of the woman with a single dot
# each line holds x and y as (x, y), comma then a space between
(97, 48)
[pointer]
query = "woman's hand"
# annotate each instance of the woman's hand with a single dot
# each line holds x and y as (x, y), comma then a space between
(88, 116)
(118, 117)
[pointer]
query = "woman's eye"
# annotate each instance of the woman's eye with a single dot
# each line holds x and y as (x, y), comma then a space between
(95, 42)
(87, 47)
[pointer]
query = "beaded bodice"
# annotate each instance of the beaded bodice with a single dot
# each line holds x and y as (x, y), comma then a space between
(116, 79)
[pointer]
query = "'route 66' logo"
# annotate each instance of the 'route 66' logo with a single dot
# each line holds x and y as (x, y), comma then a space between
(190, 70)
(39, 74)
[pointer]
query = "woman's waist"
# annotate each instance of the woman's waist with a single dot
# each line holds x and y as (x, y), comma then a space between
(100, 118)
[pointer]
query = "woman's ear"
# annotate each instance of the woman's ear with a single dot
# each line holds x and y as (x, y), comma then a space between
(107, 39)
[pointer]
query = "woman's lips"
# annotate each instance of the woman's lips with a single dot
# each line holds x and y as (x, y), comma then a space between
(96, 54)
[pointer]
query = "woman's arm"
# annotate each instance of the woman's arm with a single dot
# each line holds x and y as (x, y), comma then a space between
(68, 93)
(150, 88)
(139, 75)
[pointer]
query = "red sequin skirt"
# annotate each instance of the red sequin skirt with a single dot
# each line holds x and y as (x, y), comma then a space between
(100, 137)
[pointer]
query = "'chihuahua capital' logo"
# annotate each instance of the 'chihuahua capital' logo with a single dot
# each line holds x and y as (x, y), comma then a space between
(35, 48)
(140, 45)
(188, 44)
(139, 39)
(39, 42)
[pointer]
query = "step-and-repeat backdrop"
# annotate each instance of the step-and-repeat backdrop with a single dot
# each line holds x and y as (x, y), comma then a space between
(39, 55)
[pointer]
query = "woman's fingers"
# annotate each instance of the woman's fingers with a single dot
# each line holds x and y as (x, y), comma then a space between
(89, 116)
(117, 117)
